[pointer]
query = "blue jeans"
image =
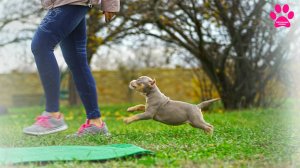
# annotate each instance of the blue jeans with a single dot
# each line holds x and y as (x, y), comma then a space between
(65, 25)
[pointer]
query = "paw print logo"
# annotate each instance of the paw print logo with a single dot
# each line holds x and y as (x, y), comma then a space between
(282, 15)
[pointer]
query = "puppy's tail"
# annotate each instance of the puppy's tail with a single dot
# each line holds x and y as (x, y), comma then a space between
(206, 103)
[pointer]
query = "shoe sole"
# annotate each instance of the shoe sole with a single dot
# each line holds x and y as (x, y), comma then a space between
(62, 128)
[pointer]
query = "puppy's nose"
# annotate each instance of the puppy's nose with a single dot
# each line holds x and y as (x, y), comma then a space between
(132, 84)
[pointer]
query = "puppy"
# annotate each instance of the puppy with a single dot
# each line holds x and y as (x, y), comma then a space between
(160, 108)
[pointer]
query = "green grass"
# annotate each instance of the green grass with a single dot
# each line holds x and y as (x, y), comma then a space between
(248, 138)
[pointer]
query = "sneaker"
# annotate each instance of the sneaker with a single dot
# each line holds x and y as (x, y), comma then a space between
(46, 124)
(91, 129)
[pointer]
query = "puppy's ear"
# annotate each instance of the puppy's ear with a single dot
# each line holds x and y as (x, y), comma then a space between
(153, 82)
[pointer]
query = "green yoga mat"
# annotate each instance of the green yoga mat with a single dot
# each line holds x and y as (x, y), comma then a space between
(67, 153)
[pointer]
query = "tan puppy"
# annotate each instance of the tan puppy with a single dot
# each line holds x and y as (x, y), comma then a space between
(160, 108)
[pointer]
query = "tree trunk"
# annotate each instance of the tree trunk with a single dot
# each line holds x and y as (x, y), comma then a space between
(237, 100)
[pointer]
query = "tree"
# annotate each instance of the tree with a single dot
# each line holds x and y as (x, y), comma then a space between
(235, 42)
(15, 13)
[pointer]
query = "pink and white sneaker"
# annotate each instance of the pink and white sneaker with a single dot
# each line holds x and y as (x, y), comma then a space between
(46, 124)
(91, 129)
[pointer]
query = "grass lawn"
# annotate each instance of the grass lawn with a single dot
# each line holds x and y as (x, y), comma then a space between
(248, 138)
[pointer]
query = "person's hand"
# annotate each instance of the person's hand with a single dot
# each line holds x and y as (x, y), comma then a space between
(109, 16)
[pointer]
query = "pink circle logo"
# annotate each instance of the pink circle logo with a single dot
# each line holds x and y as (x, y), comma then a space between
(282, 16)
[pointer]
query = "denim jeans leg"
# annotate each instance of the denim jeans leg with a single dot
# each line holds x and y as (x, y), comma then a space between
(75, 55)
(56, 25)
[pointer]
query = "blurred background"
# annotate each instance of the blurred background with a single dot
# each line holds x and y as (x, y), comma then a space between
(195, 50)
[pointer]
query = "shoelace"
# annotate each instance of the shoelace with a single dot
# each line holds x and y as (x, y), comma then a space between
(43, 121)
(83, 127)
(86, 125)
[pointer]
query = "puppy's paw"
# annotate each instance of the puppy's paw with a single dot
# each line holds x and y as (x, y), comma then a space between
(131, 109)
(209, 129)
(126, 120)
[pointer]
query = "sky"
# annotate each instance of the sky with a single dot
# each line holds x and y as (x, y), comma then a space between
(19, 57)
